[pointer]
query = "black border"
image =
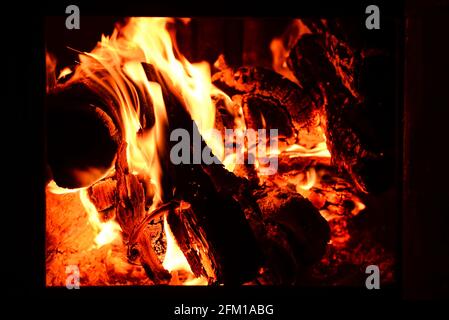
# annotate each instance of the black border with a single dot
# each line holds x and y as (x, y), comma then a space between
(27, 74)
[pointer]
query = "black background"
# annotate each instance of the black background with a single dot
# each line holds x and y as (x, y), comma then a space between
(424, 247)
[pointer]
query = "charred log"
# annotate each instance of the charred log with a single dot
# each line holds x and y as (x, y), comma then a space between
(192, 240)
(130, 215)
(352, 140)
(82, 139)
(290, 231)
(270, 85)
(235, 253)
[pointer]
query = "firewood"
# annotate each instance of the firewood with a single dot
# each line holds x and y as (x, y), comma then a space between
(289, 230)
(85, 127)
(82, 139)
(270, 85)
(346, 117)
(264, 113)
(130, 214)
(103, 194)
(192, 240)
(236, 254)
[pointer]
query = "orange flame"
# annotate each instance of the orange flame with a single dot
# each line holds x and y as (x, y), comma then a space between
(280, 48)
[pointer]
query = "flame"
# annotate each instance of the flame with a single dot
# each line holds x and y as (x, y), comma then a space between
(190, 82)
(319, 151)
(280, 48)
(115, 68)
(64, 72)
(174, 258)
(55, 189)
(106, 232)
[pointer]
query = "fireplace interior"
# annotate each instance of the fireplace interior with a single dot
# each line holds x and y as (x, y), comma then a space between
(124, 213)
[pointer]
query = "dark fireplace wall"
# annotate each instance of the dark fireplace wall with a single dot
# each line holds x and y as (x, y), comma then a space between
(425, 260)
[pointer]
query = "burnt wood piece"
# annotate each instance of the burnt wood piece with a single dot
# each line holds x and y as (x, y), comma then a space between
(130, 214)
(192, 241)
(296, 227)
(236, 254)
(297, 215)
(272, 86)
(264, 113)
(103, 195)
(354, 146)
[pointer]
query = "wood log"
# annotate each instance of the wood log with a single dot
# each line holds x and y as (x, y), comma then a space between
(84, 128)
(192, 240)
(236, 254)
(354, 148)
(264, 113)
(130, 215)
(289, 230)
(82, 139)
(270, 85)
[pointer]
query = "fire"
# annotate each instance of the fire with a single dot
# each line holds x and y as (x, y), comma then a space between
(106, 232)
(174, 258)
(64, 72)
(319, 151)
(115, 66)
(280, 48)
(190, 82)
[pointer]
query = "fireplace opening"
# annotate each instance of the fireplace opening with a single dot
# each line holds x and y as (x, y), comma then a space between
(207, 151)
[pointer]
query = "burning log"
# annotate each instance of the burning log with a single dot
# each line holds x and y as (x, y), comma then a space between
(261, 83)
(192, 240)
(349, 137)
(82, 139)
(291, 233)
(131, 213)
(234, 256)
(103, 195)
(212, 186)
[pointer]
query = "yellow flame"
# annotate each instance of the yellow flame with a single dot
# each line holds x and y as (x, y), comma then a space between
(64, 72)
(319, 151)
(190, 82)
(174, 258)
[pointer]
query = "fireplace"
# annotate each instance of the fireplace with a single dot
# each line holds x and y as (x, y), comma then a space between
(221, 151)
